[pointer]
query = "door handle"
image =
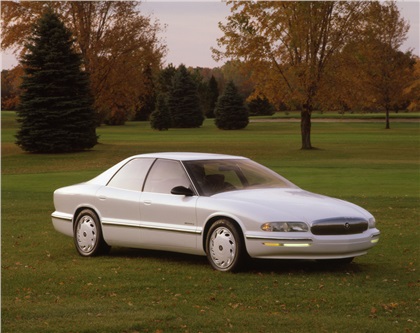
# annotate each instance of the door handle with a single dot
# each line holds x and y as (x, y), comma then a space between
(147, 202)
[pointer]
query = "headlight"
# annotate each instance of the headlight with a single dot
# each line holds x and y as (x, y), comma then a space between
(285, 226)
(372, 223)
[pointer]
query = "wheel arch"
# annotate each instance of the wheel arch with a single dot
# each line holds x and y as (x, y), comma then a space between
(82, 208)
(215, 218)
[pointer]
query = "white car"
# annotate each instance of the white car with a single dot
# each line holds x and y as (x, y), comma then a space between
(229, 208)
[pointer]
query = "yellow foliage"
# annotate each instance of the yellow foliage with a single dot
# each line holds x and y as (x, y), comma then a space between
(117, 44)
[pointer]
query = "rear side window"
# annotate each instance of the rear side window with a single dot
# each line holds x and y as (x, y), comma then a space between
(131, 176)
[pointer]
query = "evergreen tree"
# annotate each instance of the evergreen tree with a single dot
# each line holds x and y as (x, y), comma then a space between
(213, 95)
(261, 107)
(148, 99)
(231, 112)
(183, 102)
(165, 79)
(160, 118)
(55, 112)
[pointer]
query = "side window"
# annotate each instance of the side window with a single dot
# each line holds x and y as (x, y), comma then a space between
(131, 175)
(164, 176)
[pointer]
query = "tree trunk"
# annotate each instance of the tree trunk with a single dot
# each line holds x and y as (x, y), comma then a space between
(305, 128)
(387, 126)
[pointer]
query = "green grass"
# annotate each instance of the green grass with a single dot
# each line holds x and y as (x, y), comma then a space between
(47, 287)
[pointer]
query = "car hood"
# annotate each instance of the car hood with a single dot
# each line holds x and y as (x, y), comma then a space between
(293, 204)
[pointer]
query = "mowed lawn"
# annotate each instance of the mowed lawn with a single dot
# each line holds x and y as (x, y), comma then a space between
(47, 287)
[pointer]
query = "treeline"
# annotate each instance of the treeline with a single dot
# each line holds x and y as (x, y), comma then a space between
(304, 56)
(210, 83)
(124, 56)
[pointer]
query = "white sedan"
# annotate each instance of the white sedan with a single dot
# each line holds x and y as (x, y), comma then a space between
(229, 208)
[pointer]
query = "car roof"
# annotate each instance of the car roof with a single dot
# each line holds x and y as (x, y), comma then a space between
(189, 156)
(105, 176)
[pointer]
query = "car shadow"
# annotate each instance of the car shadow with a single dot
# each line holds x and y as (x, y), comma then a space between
(159, 256)
(252, 266)
(292, 266)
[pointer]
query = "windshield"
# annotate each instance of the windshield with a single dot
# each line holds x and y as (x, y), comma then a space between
(215, 176)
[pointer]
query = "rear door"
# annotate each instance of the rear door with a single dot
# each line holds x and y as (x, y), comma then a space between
(119, 203)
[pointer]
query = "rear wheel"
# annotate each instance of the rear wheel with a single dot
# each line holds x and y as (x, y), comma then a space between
(88, 235)
(225, 247)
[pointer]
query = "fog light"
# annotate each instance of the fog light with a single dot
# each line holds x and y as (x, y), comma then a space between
(272, 244)
(296, 244)
(288, 244)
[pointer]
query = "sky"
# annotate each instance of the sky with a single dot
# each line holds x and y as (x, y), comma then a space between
(192, 29)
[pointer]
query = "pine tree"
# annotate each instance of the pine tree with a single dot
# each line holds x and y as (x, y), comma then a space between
(55, 112)
(160, 118)
(261, 107)
(231, 112)
(165, 79)
(148, 99)
(213, 95)
(183, 102)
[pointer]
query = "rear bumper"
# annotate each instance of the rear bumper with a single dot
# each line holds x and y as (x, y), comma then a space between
(63, 223)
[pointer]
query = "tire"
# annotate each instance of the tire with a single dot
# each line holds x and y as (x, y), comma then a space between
(225, 247)
(88, 235)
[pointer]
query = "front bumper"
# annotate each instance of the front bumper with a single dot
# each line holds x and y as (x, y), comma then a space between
(309, 246)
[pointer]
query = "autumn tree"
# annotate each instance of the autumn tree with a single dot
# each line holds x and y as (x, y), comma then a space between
(241, 75)
(371, 73)
(387, 72)
(288, 45)
(117, 43)
(10, 87)
(413, 90)
(55, 111)
(386, 79)
(230, 112)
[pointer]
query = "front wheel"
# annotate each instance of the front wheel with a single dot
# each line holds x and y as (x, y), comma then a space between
(88, 235)
(225, 247)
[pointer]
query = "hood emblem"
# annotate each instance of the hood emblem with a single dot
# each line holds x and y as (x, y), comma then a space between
(347, 226)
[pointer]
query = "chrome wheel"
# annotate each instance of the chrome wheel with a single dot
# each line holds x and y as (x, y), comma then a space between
(86, 234)
(225, 246)
(222, 247)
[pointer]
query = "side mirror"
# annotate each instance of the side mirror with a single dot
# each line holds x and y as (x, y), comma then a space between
(182, 190)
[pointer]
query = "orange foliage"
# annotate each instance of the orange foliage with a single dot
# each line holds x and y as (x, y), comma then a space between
(117, 44)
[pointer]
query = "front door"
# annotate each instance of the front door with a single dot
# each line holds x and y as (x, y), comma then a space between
(168, 221)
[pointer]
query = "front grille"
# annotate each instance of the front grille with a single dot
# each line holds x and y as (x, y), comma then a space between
(339, 226)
